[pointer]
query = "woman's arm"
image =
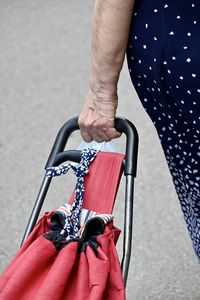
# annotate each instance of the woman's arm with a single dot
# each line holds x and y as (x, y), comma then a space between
(110, 31)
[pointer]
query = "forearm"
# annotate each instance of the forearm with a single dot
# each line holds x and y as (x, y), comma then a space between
(111, 23)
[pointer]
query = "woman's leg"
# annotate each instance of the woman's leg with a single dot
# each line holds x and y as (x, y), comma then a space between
(163, 59)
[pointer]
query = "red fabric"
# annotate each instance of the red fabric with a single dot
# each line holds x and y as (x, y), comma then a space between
(101, 184)
(41, 227)
(40, 272)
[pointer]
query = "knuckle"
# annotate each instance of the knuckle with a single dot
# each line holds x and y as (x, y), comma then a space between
(80, 121)
(87, 124)
(96, 125)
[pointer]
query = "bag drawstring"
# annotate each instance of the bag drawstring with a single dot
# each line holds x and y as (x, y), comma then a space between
(71, 226)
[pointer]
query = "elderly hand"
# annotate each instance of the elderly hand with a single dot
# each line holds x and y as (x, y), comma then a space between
(97, 119)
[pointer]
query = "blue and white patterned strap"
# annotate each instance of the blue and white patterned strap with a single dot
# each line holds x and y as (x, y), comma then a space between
(71, 226)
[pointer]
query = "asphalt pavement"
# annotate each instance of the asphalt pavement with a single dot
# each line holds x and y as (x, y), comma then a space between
(44, 67)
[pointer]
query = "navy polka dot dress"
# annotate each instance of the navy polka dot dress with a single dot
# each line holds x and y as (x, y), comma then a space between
(164, 63)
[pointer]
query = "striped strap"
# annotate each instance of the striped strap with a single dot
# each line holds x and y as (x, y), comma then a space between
(85, 216)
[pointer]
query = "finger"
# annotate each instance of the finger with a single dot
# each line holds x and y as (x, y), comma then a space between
(86, 137)
(92, 132)
(112, 133)
(104, 134)
(92, 135)
(98, 136)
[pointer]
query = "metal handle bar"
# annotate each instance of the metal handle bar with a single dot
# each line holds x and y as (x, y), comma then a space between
(122, 125)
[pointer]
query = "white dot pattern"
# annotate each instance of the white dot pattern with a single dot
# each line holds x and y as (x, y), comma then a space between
(165, 71)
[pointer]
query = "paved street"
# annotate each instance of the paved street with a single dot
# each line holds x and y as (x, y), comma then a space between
(44, 66)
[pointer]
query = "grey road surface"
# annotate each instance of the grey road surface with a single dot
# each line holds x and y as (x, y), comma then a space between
(44, 66)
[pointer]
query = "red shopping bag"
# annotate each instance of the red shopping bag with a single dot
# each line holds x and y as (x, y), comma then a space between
(48, 266)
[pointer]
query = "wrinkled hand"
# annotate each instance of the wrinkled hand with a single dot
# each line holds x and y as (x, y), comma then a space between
(97, 119)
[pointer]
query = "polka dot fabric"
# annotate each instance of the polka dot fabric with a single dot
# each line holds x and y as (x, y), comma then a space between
(164, 65)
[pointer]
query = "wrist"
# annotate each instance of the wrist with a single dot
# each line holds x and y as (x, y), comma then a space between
(104, 105)
(103, 90)
(104, 85)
